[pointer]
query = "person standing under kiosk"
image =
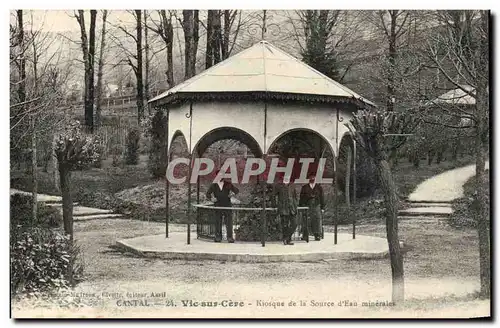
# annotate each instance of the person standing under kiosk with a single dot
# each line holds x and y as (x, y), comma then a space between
(311, 195)
(286, 205)
(221, 191)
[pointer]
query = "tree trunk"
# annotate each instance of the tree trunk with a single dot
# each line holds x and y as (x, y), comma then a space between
(209, 53)
(34, 204)
(392, 205)
(217, 37)
(166, 32)
(483, 223)
(100, 69)
(80, 17)
(170, 54)
(190, 25)
(416, 159)
(21, 91)
(439, 156)
(482, 193)
(146, 68)
(89, 112)
(67, 207)
(392, 61)
(54, 169)
(482, 142)
(225, 36)
(67, 202)
(138, 70)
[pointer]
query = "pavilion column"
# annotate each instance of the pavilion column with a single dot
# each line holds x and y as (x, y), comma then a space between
(197, 202)
(264, 189)
(190, 169)
(167, 182)
(335, 177)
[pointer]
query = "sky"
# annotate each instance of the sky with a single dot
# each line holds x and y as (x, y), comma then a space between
(60, 21)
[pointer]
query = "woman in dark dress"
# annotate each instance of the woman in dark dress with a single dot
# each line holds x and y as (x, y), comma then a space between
(311, 195)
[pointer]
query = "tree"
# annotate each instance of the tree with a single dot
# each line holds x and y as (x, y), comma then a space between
(393, 28)
(100, 66)
(138, 69)
(460, 53)
(147, 59)
(156, 130)
(379, 132)
(326, 39)
(37, 83)
(88, 51)
(134, 59)
(190, 26)
(229, 19)
(397, 64)
(318, 53)
(214, 38)
(73, 149)
(165, 30)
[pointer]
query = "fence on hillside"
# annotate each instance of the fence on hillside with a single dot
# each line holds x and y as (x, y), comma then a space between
(114, 137)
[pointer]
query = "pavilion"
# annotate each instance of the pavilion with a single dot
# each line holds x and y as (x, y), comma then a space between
(257, 96)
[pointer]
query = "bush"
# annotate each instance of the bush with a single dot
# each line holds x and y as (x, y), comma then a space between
(366, 175)
(40, 254)
(40, 259)
(132, 150)
(95, 198)
(156, 132)
(97, 163)
(464, 209)
(21, 213)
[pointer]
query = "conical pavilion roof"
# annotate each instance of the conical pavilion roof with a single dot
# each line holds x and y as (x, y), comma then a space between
(261, 71)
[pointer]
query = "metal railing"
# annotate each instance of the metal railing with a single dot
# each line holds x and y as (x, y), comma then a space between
(247, 223)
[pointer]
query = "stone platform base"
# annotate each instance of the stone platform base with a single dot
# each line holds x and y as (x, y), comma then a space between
(176, 247)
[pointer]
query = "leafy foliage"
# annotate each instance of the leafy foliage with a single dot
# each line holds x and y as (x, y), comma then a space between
(40, 254)
(464, 209)
(40, 259)
(74, 149)
(366, 175)
(250, 226)
(380, 132)
(319, 52)
(21, 213)
(132, 151)
(156, 132)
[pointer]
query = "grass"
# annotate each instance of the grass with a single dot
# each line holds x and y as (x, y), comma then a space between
(463, 212)
(93, 187)
(407, 177)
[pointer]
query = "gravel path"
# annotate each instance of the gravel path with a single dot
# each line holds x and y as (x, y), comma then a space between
(444, 187)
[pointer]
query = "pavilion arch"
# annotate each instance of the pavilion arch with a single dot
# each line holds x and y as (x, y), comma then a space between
(319, 145)
(324, 141)
(224, 133)
(178, 136)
